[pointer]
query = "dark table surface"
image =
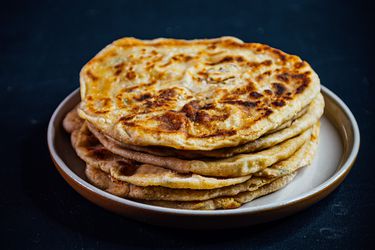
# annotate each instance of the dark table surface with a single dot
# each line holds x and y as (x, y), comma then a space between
(43, 45)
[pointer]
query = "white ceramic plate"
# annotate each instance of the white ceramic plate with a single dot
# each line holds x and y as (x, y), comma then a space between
(338, 148)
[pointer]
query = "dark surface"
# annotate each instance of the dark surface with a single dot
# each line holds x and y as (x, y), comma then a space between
(42, 48)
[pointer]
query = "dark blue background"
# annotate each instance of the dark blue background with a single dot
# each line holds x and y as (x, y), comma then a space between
(43, 45)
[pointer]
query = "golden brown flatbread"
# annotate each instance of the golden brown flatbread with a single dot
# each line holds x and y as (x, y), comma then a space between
(235, 166)
(286, 131)
(93, 153)
(228, 202)
(103, 179)
(193, 95)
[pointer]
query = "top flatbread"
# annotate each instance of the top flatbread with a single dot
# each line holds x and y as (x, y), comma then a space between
(288, 130)
(193, 95)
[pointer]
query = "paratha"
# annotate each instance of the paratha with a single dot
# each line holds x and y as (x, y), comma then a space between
(238, 165)
(104, 181)
(72, 121)
(286, 167)
(284, 125)
(193, 95)
(228, 202)
(289, 129)
(112, 185)
(89, 149)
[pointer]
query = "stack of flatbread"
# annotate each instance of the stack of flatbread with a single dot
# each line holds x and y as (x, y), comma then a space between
(199, 124)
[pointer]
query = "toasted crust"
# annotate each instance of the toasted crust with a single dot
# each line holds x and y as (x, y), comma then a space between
(193, 95)
(286, 131)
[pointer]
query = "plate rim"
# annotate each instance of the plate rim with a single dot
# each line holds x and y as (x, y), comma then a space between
(334, 180)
